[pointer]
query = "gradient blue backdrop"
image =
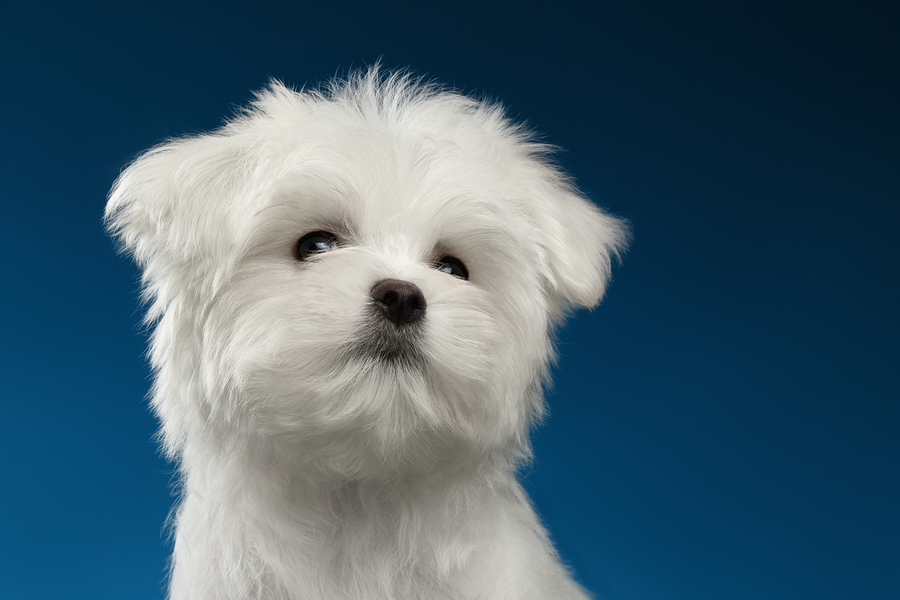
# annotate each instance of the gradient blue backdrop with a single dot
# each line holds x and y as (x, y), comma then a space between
(724, 426)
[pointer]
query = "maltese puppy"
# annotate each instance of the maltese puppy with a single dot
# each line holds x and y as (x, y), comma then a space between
(353, 293)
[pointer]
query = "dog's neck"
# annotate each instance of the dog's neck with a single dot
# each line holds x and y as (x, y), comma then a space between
(271, 477)
(291, 526)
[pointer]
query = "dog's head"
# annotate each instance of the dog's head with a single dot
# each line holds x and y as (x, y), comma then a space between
(370, 273)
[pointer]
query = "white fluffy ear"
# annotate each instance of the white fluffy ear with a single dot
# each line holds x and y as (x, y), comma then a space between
(579, 242)
(167, 205)
(177, 201)
(176, 210)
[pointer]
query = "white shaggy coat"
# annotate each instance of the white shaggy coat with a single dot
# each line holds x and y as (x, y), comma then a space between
(315, 464)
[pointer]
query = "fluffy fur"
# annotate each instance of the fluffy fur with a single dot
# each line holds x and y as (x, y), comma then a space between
(326, 452)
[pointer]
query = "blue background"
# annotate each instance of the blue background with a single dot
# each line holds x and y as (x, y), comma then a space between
(724, 426)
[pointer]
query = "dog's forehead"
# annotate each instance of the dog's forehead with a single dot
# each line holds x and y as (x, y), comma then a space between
(401, 184)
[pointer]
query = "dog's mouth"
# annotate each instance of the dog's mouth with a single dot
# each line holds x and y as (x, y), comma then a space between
(390, 344)
(395, 355)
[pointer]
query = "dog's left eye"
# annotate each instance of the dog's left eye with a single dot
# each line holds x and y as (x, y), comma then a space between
(452, 266)
(314, 243)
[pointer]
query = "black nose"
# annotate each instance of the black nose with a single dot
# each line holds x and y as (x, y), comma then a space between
(399, 301)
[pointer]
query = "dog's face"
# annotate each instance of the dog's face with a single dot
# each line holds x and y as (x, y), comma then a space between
(369, 277)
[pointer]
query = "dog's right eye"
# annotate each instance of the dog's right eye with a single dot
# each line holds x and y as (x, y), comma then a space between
(314, 243)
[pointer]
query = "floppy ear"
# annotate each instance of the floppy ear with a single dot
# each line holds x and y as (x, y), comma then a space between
(170, 204)
(176, 202)
(579, 242)
(174, 210)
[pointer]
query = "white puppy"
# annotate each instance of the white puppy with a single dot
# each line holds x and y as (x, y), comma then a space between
(353, 293)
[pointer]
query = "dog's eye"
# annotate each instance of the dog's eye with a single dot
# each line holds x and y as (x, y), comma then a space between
(314, 243)
(452, 266)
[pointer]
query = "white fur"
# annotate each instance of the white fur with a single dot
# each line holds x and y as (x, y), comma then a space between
(311, 470)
